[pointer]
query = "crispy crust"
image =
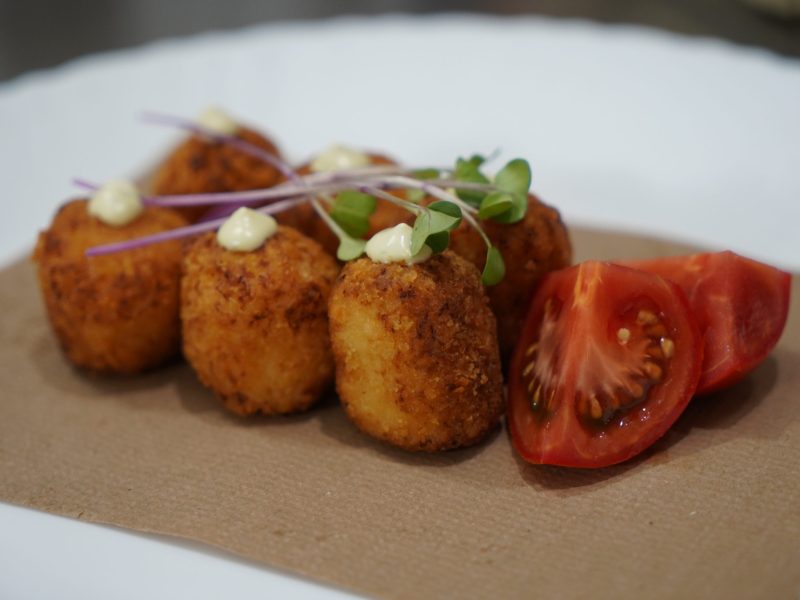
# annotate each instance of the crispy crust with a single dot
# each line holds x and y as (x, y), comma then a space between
(200, 166)
(305, 219)
(255, 325)
(417, 362)
(116, 313)
(531, 248)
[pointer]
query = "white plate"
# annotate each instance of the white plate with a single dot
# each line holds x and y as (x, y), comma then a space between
(625, 128)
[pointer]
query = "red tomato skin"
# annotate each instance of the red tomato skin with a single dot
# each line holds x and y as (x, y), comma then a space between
(563, 440)
(741, 306)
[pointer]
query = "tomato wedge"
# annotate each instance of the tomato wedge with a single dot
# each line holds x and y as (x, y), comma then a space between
(608, 359)
(741, 306)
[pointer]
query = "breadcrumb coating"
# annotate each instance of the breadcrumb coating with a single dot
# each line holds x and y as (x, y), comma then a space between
(116, 313)
(417, 362)
(255, 324)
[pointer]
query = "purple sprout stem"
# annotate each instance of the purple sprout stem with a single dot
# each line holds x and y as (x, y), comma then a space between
(231, 140)
(274, 193)
(359, 173)
(183, 232)
(379, 193)
(87, 185)
(281, 191)
(220, 211)
(464, 185)
(433, 190)
(327, 219)
(475, 225)
(163, 236)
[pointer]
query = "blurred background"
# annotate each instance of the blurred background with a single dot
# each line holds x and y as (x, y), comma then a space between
(36, 34)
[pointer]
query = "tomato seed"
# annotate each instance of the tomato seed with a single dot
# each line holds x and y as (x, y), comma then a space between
(652, 371)
(528, 368)
(667, 347)
(636, 390)
(646, 317)
(551, 399)
(596, 409)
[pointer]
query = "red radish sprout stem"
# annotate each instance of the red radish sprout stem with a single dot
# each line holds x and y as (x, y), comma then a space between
(231, 140)
(182, 232)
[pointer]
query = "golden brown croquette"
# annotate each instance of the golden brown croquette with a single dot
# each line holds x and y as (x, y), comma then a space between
(255, 324)
(305, 219)
(531, 248)
(116, 313)
(417, 362)
(199, 166)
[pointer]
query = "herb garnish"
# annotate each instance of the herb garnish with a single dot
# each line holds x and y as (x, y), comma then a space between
(464, 192)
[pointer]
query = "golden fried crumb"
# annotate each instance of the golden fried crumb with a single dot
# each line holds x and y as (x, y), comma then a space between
(255, 324)
(417, 362)
(116, 313)
(202, 166)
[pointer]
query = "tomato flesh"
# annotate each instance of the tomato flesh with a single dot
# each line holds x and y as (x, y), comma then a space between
(608, 359)
(741, 306)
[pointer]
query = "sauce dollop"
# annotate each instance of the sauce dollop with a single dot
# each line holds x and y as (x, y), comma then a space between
(116, 203)
(246, 230)
(394, 245)
(338, 158)
(215, 120)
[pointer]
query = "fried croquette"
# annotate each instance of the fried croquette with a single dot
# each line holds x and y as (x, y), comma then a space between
(305, 219)
(255, 324)
(116, 313)
(199, 165)
(417, 362)
(531, 248)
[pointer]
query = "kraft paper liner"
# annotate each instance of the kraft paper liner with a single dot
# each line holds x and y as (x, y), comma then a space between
(712, 511)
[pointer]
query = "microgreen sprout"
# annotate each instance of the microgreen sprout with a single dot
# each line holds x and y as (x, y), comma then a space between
(351, 210)
(350, 247)
(461, 193)
(468, 170)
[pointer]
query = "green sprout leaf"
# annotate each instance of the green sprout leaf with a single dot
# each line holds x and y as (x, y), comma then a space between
(514, 179)
(350, 248)
(415, 195)
(449, 209)
(469, 172)
(425, 174)
(438, 242)
(420, 232)
(351, 211)
(495, 204)
(519, 207)
(475, 160)
(441, 216)
(495, 269)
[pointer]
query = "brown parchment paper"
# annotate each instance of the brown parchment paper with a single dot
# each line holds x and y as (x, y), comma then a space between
(713, 511)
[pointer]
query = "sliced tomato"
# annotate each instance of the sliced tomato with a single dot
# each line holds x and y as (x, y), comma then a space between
(608, 359)
(740, 305)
